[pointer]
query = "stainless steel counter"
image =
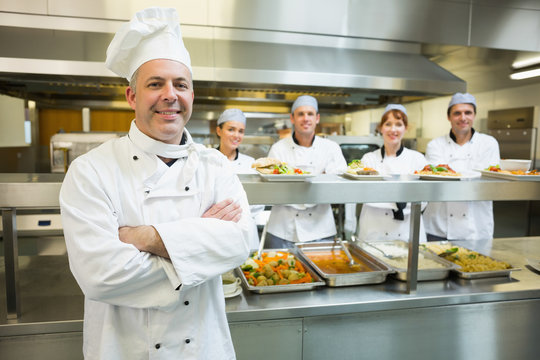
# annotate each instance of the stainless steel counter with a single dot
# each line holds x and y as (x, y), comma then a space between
(478, 315)
(391, 295)
(24, 191)
(41, 190)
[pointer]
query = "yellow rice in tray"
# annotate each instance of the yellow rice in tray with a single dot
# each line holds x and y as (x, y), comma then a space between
(470, 261)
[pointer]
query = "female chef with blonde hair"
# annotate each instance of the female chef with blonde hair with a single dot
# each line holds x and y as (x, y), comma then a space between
(390, 221)
(231, 127)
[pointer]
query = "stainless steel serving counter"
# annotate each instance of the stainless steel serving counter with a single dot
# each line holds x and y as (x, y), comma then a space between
(522, 284)
(303, 322)
(497, 318)
(41, 190)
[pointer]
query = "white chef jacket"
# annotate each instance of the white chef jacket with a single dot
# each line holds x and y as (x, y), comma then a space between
(139, 305)
(377, 221)
(306, 222)
(471, 220)
(242, 165)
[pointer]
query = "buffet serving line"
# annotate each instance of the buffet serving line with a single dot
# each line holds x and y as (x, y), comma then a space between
(494, 317)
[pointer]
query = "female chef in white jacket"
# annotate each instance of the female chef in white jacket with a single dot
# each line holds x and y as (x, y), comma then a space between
(231, 127)
(390, 221)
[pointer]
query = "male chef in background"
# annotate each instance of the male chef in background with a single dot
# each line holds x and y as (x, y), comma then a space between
(152, 219)
(289, 224)
(464, 149)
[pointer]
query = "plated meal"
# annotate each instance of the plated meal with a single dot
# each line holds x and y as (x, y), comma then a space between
(439, 170)
(357, 171)
(272, 166)
(497, 169)
(355, 167)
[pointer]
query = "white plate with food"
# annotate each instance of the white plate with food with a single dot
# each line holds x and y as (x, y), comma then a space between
(362, 177)
(286, 177)
(506, 176)
(451, 177)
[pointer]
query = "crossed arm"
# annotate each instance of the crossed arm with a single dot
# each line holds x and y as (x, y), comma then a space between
(146, 238)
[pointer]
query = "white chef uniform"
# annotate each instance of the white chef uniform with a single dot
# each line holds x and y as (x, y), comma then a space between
(306, 222)
(242, 165)
(471, 220)
(377, 221)
(138, 305)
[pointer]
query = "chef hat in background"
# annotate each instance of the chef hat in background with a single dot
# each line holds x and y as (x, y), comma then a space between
(305, 100)
(152, 33)
(460, 98)
(232, 115)
(395, 107)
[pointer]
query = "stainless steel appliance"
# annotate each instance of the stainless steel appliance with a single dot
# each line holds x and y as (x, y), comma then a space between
(66, 147)
(354, 147)
(514, 130)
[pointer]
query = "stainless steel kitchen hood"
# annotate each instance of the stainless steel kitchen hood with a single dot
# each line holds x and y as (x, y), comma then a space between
(73, 69)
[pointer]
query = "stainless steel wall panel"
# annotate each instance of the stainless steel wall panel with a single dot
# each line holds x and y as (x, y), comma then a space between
(442, 22)
(466, 332)
(505, 27)
(190, 12)
(306, 16)
(281, 339)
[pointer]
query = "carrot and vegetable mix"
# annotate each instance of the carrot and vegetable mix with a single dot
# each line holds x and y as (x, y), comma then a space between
(275, 268)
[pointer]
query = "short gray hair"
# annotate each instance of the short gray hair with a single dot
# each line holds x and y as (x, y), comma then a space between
(133, 81)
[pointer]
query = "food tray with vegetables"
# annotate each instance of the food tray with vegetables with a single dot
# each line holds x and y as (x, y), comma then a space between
(330, 261)
(395, 254)
(277, 270)
(473, 265)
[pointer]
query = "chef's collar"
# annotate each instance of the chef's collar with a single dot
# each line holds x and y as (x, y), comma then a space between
(383, 153)
(296, 141)
(159, 148)
(236, 157)
(453, 137)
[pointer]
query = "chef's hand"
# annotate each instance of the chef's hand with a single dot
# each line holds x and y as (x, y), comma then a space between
(144, 238)
(224, 210)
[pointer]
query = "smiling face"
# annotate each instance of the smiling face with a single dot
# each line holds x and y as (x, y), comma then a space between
(163, 100)
(305, 119)
(231, 134)
(392, 128)
(461, 117)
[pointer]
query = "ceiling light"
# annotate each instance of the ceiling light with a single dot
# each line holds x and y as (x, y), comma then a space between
(518, 64)
(525, 74)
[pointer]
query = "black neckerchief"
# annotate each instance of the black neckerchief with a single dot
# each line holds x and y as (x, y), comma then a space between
(453, 137)
(182, 142)
(235, 157)
(383, 153)
(296, 141)
(398, 214)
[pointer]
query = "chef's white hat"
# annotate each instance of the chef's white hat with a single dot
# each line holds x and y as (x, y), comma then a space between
(460, 98)
(232, 115)
(152, 33)
(395, 107)
(305, 100)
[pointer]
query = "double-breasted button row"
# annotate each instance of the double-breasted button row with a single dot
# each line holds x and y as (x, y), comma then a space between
(158, 345)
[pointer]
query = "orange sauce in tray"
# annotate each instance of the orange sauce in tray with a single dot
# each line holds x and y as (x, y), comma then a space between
(335, 261)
